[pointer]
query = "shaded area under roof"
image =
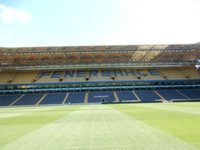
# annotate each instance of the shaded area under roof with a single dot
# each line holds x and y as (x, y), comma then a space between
(76, 56)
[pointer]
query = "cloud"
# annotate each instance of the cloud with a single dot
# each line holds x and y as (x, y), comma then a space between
(10, 15)
(6, 34)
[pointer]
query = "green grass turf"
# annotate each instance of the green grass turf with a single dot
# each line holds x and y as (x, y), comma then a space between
(181, 120)
(169, 126)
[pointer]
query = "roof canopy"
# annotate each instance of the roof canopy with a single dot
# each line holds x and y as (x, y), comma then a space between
(77, 56)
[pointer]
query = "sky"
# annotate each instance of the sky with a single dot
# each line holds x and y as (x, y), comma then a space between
(28, 23)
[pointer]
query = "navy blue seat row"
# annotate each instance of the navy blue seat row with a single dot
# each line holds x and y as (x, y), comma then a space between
(53, 98)
(76, 97)
(171, 94)
(6, 100)
(100, 96)
(126, 95)
(191, 93)
(58, 98)
(147, 95)
(29, 99)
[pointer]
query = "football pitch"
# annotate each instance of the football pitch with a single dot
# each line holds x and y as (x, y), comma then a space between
(159, 126)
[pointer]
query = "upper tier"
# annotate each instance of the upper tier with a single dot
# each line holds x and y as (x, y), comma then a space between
(98, 56)
(125, 74)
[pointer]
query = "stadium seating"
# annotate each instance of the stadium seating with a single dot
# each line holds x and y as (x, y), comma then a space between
(6, 100)
(138, 55)
(6, 77)
(150, 55)
(190, 72)
(25, 77)
(29, 99)
(53, 98)
(191, 93)
(98, 74)
(46, 77)
(76, 97)
(172, 73)
(147, 95)
(125, 96)
(171, 94)
(101, 96)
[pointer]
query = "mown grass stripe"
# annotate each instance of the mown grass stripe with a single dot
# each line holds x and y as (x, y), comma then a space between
(98, 127)
(179, 123)
(29, 120)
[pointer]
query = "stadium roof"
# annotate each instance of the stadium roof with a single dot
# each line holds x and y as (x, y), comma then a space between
(97, 56)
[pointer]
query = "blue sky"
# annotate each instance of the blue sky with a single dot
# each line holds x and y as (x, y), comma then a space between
(98, 22)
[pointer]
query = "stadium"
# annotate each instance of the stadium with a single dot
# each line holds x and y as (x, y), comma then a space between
(100, 97)
(99, 74)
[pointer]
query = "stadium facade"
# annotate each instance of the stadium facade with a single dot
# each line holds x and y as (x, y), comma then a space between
(99, 74)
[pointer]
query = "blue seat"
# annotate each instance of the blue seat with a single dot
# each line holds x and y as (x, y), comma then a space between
(6, 100)
(101, 96)
(29, 99)
(126, 95)
(76, 97)
(53, 98)
(147, 95)
(170, 94)
(191, 93)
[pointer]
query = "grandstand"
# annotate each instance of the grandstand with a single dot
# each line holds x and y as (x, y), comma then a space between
(99, 74)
